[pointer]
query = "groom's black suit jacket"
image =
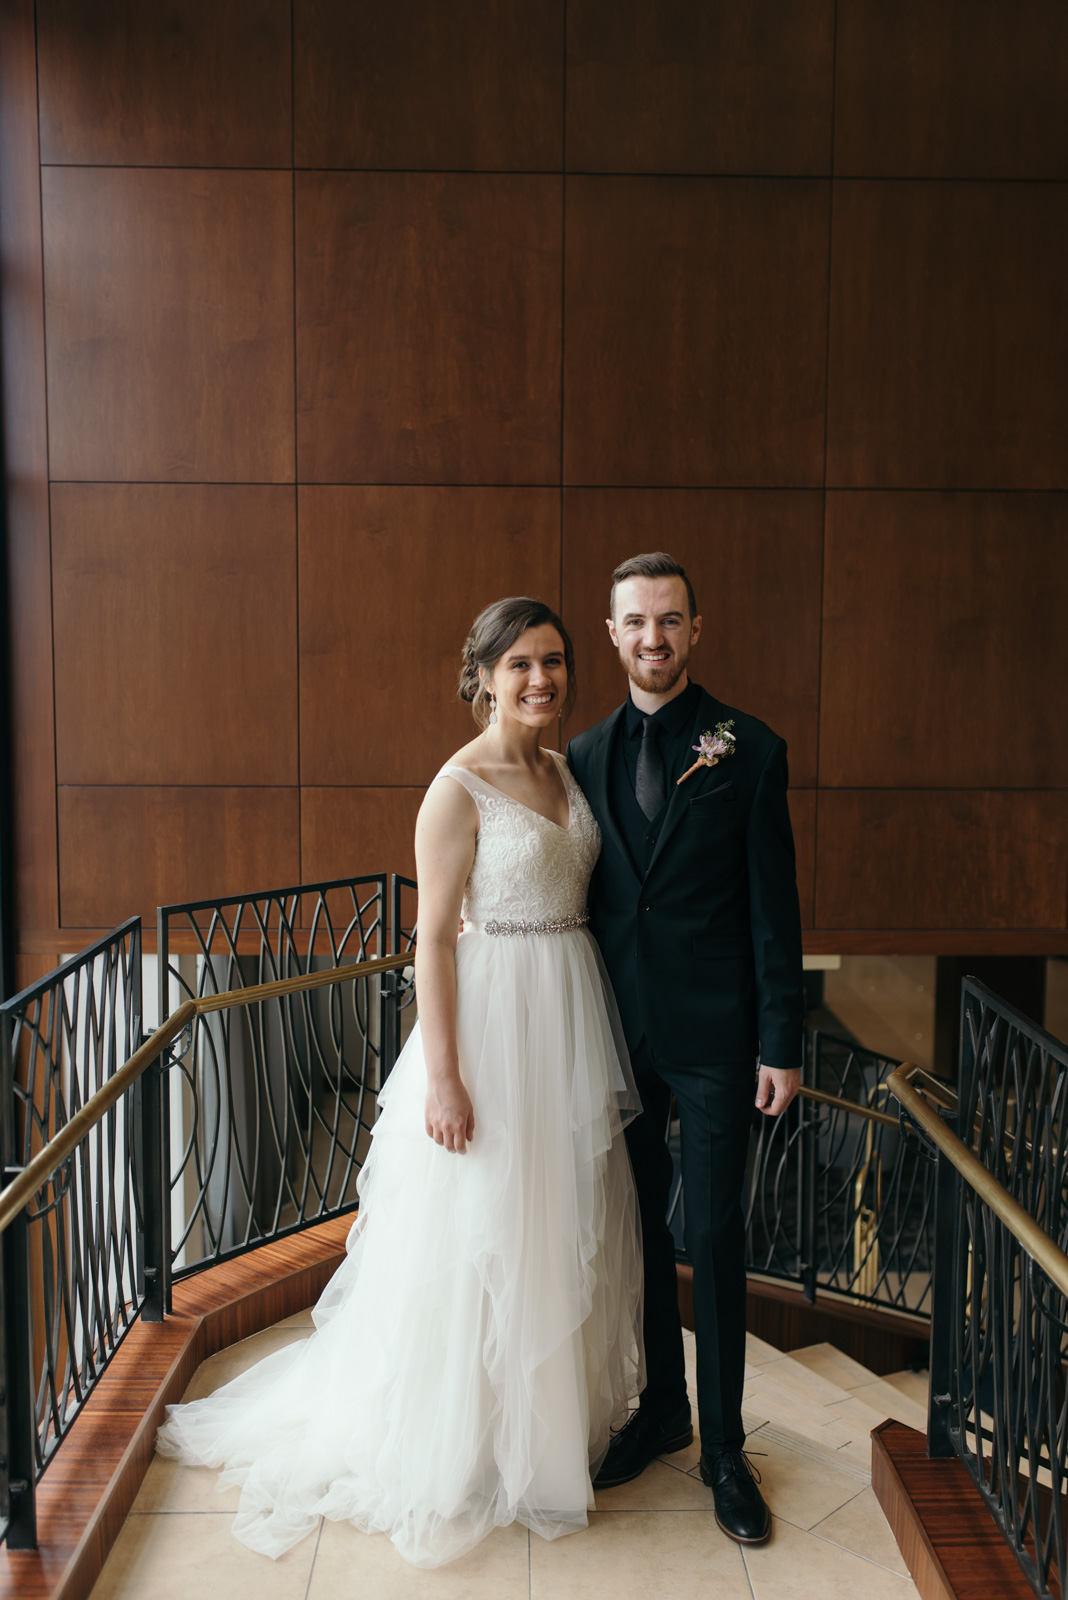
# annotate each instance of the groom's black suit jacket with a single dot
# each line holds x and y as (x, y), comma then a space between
(704, 948)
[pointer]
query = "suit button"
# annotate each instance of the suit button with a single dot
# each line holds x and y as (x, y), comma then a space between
(647, 908)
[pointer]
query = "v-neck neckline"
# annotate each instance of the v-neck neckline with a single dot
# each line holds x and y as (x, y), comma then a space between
(562, 827)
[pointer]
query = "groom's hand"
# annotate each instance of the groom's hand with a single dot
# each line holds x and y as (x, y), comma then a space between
(776, 1087)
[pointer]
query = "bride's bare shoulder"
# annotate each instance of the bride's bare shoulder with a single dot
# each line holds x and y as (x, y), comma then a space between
(467, 757)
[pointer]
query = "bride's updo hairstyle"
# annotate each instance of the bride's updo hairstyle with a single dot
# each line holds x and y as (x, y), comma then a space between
(493, 633)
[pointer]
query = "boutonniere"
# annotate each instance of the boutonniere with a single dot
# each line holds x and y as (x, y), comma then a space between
(713, 747)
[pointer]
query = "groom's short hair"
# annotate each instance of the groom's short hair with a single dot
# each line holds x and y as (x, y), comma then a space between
(657, 564)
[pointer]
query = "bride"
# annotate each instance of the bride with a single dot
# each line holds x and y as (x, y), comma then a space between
(474, 1350)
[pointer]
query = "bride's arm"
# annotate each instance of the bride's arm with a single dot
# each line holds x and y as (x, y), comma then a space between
(444, 850)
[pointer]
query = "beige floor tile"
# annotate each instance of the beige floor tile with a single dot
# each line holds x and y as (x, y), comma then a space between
(917, 1385)
(187, 1557)
(299, 1319)
(799, 1566)
(797, 1488)
(832, 1364)
(168, 1486)
(823, 1452)
(810, 1386)
(804, 1413)
(352, 1563)
(861, 1527)
(661, 1487)
(640, 1555)
(858, 1416)
(237, 1358)
(885, 1397)
(758, 1353)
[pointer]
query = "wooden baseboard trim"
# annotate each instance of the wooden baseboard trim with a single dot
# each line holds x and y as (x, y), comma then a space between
(87, 1491)
(949, 1541)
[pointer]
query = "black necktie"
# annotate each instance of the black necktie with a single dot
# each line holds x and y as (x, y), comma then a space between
(650, 784)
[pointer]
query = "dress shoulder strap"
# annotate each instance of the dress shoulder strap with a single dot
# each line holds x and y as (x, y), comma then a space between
(466, 779)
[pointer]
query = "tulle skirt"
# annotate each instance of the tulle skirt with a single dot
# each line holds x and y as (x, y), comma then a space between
(484, 1332)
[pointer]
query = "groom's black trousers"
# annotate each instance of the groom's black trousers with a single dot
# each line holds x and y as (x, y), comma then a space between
(715, 1106)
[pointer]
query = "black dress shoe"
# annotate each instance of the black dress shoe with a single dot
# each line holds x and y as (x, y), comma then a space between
(740, 1508)
(640, 1441)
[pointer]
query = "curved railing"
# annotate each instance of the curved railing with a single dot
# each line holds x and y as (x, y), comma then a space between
(838, 1201)
(88, 1194)
(841, 1192)
(999, 1330)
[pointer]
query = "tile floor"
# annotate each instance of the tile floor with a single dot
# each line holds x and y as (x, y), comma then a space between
(650, 1538)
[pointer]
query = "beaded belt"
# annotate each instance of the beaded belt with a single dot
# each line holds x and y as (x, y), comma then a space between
(563, 925)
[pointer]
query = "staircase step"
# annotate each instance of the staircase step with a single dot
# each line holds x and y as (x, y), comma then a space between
(917, 1385)
(834, 1365)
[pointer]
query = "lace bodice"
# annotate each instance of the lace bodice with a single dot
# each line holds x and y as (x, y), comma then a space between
(527, 868)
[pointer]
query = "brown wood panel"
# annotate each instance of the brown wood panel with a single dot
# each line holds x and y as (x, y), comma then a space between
(170, 324)
(176, 633)
(28, 624)
(696, 343)
(945, 657)
(754, 559)
(346, 831)
(936, 942)
(428, 328)
(950, 858)
(969, 89)
(124, 849)
(176, 83)
(951, 1544)
(949, 336)
(803, 819)
(429, 83)
(30, 969)
(390, 581)
(717, 87)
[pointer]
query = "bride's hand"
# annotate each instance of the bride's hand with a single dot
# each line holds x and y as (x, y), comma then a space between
(450, 1117)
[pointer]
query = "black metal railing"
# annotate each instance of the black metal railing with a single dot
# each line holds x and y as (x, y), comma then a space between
(88, 1140)
(267, 1110)
(73, 1260)
(999, 1333)
(837, 1199)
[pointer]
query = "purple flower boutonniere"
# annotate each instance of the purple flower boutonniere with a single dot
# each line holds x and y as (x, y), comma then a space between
(713, 747)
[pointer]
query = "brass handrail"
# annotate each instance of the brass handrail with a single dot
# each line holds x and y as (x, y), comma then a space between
(47, 1162)
(1023, 1227)
(853, 1106)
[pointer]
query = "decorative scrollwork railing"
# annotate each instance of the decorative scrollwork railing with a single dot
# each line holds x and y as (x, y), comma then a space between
(62, 1041)
(268, 1108)
(999, 1334)
(837, 1198)
(84, 1210)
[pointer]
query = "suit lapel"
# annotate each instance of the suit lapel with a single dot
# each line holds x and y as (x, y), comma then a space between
(705, 777)
(601, 764)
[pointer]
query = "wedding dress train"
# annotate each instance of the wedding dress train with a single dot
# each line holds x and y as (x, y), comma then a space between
(484, 1332)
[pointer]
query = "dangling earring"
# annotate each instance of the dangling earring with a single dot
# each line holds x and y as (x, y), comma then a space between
(493, 710)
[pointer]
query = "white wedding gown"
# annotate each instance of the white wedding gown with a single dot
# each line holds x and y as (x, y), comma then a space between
(473, 1351)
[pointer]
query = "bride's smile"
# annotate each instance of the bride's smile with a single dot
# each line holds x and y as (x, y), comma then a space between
(529, 684)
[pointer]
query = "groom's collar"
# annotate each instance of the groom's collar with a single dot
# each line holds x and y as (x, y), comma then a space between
(674, 717)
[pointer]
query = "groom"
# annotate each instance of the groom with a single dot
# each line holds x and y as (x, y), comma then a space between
(694, 904)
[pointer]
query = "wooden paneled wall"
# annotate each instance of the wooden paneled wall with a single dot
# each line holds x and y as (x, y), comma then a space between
(325, 322)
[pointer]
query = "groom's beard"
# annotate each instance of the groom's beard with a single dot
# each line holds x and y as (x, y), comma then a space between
(655, 680)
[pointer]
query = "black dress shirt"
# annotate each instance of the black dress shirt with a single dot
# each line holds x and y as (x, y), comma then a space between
(674, 724)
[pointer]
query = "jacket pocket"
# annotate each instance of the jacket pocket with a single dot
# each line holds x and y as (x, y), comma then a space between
(726, 791)
(721, 946)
